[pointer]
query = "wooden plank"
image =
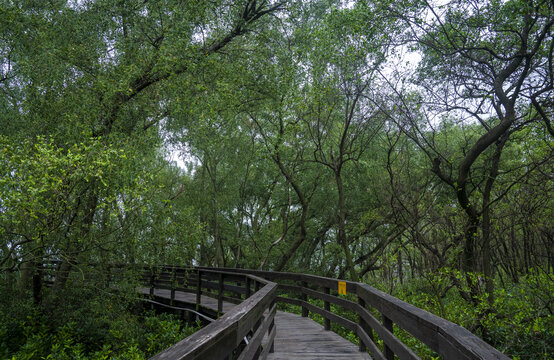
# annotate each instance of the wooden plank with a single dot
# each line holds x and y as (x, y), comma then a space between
(260, 301)
(327, 307)
(294, 337)
(213, 274)
(298, 277)
(302, 338)
(349, 305)
(221, 337)
(213, 342)
(350, 325)
(212, 285)
(291, 301)
(304, 297)
(387, 323)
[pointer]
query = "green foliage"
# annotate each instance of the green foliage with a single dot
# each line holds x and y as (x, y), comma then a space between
(129, 337)
(41, 180)
(519, 323)
(309, 146)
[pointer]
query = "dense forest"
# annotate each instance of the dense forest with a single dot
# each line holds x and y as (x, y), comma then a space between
(408, 145)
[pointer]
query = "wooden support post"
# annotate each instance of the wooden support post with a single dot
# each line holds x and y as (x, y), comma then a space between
(327, 306)
(363, 325)
(248, 290)
(387, 323)
(172, 280)
(220, 295)
(152, 279)
(305, 311)
(192, 318)
(198, 289)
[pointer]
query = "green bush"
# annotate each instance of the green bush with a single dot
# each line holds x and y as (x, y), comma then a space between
(139, 338)
(84, 323)
(519, 323)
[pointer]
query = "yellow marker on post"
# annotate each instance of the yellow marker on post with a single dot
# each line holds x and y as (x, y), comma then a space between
(342, 288)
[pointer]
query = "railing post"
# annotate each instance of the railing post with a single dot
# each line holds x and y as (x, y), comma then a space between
(220, 295)
(172, 280)
(152, 282)
(305, 311)
(327, 307)
(248, 290)
(362, 324)
(198, 289)
(387, 323)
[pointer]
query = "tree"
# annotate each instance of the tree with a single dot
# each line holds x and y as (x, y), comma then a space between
(339, 117)
(490, 61)
(100, 73)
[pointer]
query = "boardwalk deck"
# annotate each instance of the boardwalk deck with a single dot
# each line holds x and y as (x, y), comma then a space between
(301, 338)
(297, 337)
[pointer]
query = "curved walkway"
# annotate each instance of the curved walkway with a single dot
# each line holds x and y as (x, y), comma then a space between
(301, 338)
(297, 337)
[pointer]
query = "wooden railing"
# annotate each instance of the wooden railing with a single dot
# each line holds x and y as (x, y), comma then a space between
(238, 333)
(447, 339)
(224, 337)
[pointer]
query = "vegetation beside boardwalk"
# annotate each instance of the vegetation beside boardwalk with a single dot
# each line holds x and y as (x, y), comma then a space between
(86, 323)
(406, 144)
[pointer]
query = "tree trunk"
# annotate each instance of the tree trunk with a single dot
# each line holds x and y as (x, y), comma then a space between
(486, 222)
(72, 251)
(342, 239)
(303, 202)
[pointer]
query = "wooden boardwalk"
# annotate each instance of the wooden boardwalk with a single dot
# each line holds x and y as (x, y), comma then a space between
(301, 338)
(297, 337)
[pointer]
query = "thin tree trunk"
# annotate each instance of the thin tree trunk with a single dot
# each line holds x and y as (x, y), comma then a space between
(486, 222)
(342, 238)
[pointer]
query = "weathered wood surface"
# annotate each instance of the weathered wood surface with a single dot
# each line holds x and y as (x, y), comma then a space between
(447, 339)
(301, 338)
(296, 337)
(221, 338)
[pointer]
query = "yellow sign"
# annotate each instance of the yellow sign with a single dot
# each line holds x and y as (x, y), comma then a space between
(342, 288)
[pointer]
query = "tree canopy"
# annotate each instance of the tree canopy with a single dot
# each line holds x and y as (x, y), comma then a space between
(405, 144)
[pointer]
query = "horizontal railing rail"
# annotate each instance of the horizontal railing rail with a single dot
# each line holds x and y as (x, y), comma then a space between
(447, 339)
(372, 315)
(240, 333)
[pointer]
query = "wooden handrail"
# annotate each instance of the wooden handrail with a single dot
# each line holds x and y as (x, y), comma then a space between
(223, 338)
(449, 340)
(256, 310)
(257, 293)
